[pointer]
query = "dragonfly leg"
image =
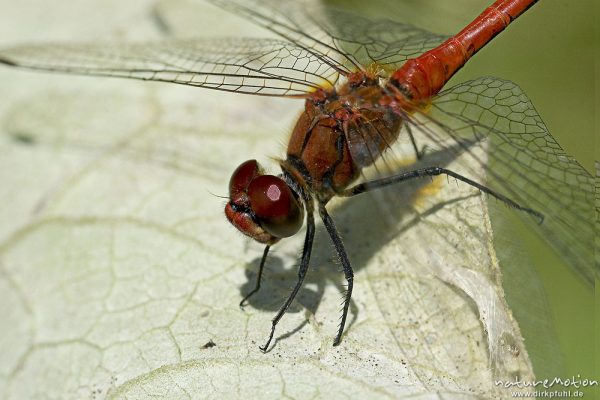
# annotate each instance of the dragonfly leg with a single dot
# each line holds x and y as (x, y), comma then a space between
(348, 272)
(418, 153)
(308, 243)
(258, 278)
(434, 171)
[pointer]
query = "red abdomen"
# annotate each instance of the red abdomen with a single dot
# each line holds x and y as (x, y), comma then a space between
(424, 76)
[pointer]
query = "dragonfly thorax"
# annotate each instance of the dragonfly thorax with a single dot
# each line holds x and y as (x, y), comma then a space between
(339, 133)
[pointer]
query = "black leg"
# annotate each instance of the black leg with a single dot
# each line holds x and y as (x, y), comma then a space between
(419, 153)
(348, 273)
(433, 171)
(258, 278)
(308, 243)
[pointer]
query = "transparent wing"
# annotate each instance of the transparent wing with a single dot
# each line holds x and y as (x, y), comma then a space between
(321, 43)
(523, 161)
(343, 39)
(255, 66)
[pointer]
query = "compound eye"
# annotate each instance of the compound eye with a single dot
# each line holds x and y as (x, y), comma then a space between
(242, 176)
(275, 206)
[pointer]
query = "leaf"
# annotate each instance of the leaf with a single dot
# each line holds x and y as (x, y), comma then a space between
(121, 278)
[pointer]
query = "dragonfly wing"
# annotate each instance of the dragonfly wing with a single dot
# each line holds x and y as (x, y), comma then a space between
(523, 161)
(345, 40)
(255, 66)
(383, 42)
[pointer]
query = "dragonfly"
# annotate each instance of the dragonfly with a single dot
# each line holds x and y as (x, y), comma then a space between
(365, 83)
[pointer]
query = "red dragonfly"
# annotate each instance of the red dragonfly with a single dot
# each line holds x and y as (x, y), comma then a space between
(364, 83)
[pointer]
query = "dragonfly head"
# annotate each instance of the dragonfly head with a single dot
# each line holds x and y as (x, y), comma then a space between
(262, 206)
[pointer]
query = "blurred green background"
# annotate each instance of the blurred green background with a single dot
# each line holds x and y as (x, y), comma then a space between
(550, 52)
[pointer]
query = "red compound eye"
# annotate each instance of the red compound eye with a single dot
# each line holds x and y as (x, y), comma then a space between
(275, 206)
(241, 178)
